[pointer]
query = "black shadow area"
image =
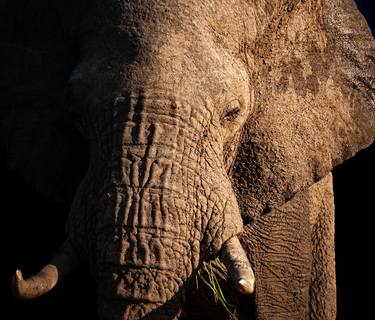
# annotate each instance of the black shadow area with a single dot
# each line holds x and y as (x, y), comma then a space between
(355, 208)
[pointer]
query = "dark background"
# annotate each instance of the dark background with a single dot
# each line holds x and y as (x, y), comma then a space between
(354, 201)
(29, 238)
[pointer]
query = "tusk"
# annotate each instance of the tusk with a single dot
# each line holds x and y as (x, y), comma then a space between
(234, 258)
(36, 285)
(64, 261)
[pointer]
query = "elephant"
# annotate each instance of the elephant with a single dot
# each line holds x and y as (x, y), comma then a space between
(212, 129)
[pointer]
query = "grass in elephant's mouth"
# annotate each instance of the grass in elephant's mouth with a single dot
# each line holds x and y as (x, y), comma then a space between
(215, 276)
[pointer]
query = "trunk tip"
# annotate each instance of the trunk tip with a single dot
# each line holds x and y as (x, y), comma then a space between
(19, 276)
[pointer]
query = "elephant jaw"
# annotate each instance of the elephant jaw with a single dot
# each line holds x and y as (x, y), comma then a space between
(139, 291)
(232, 255)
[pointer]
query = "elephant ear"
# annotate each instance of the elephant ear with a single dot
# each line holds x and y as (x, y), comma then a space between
(38, 139)
(315, 87)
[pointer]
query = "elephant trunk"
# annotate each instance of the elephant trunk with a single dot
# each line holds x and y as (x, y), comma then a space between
(144, 254)
(146, 285)
(63, 262)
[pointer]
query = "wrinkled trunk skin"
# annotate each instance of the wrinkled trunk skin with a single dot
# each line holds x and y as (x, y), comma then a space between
(150, 207)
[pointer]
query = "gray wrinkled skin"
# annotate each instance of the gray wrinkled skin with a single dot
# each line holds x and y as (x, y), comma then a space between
(197, 114)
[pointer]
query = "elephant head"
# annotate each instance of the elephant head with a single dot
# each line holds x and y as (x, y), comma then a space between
(159, 95)
(187, 108)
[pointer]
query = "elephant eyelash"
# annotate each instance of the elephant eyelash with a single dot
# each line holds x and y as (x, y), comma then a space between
(233, 111)
(76, 117)
(232, 115)
(79, 123)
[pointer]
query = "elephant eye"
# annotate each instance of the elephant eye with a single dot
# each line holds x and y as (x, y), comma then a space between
(78, 121)
(233, 110)
(73, 105)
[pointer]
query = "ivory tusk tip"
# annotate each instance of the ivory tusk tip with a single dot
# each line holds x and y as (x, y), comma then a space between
(19, 276)
(242, 282)
(17, 284)
(245, 286)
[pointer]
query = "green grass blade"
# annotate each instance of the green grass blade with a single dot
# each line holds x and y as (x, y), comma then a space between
(210, 273)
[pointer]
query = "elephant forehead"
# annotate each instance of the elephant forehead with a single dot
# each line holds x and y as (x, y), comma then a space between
(184, 46)
(163, 15)
(182, 64)
(153, 24)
